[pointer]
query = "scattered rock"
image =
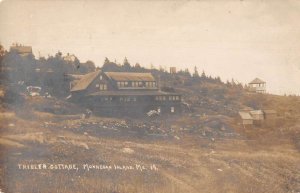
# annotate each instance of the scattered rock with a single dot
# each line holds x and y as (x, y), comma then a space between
(127, 150)
(11, 125)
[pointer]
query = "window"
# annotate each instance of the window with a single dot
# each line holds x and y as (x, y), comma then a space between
(172, 109)
(162, 98)
(122, 84)
(105, 99)
(103, 87)
(97, 85)
(127, 99)
(150, 84)
(100, 77)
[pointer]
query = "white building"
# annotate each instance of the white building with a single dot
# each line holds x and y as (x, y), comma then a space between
(257, 85)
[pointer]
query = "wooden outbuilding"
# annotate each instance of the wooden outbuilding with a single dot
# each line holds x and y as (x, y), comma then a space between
(246, 118)
(257, 115)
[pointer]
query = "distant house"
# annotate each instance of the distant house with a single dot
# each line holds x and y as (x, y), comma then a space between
(21, 50)
(257, 85)
(246, 118)
(114, 93)
(270, 114)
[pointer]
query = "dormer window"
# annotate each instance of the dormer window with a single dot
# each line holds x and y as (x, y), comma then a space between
(102, 87)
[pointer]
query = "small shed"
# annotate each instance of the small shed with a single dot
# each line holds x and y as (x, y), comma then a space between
(246, 118)
(270, 114)
(257, 115)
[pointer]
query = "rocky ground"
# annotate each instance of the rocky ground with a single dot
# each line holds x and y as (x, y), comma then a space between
(46, 152)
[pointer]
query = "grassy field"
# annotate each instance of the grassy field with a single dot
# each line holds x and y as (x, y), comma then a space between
(178, 154)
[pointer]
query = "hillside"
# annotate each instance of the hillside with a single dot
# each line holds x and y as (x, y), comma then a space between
(203, 149)
(47, 145)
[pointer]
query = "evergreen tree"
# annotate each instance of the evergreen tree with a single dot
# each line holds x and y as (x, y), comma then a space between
(218, 79)
(126, 65)
(196, 74)
(187, 72)
(137, 65)
(233, 82)
(2, 54)
(106, 61)
(203, 75)
(109, 66)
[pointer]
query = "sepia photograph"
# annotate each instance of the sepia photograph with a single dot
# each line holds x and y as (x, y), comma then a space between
(149, 96)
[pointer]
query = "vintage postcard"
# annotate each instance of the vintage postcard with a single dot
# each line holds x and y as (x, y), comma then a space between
(156, 96)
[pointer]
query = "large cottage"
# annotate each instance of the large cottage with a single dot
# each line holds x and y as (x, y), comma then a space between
(115, 93)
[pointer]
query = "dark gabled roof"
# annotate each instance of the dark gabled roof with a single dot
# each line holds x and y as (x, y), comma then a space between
(257, 81)
(85, 81)
(132, 93)
(130, 76)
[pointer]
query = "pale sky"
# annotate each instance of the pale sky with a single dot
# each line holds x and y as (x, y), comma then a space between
(231, 39)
